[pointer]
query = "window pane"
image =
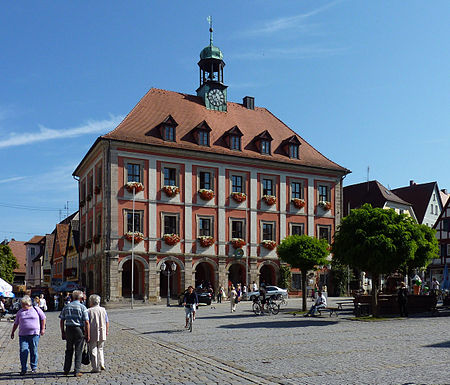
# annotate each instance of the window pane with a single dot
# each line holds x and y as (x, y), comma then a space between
(236, 183)
(267, 232)
(205, 180)
(134, 172)
(170, 176)
(235, 142)
(323, 193)
(297, 229)
(205, 227)
(203, 138)
(324, 233)
(293, 151)
(237, 229)
(169, 133)
(296, 190)
(268, 187)
(170, 224)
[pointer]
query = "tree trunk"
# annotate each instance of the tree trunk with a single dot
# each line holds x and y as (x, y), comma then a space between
(304, 291)
(375, 279)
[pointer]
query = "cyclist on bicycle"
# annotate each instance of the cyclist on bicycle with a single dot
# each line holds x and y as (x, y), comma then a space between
(262, 294)
(190, 301)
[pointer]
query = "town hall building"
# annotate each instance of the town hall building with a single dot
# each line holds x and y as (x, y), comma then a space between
(209, 185)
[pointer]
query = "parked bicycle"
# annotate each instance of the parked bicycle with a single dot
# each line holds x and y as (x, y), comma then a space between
(280, 300)
(269, 307)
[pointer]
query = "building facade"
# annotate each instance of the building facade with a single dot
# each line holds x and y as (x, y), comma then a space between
(35, 251)
(203, 183)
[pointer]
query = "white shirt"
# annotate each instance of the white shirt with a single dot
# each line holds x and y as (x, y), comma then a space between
(321, 300)
(42, 303)
(435, 285)
(255, 287)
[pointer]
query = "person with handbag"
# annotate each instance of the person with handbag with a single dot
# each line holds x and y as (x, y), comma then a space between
(42, 303)
(31, 323)
(74, 324)
(99, 324)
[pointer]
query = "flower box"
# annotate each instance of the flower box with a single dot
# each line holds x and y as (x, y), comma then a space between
(138, 237)
(206, 194)
(171, 239)
(82, 203)
(237, 243)
(269, 199)
(171, 191)
(206, 241)
(81, 247)
(89, 197)
(325, 205)
(238, 196)
(136, 186)
(97, 238)
(298, 203)
(97, 190)
(88, 243)
(270, 245)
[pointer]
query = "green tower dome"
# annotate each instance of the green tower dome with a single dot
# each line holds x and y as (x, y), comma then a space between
(211, 52)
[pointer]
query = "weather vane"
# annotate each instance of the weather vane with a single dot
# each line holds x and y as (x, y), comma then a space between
(209, 19)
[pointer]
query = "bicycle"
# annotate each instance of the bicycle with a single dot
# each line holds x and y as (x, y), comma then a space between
(191, 317)
(270, 307)
(280, 300)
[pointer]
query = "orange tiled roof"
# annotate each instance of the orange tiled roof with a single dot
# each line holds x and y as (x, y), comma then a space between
(189, 111)
(19, 250)
(36, 239)
(61, 239)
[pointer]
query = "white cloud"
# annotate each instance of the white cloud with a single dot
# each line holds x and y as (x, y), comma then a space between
(290, 22)
(13, 179)
(44, 134)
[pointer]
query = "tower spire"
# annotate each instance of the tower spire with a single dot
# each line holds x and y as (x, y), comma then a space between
(209, 19)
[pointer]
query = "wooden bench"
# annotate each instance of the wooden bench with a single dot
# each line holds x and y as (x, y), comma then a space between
(331, 310)
(340, 305)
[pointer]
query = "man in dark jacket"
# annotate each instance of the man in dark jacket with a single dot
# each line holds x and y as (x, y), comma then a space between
(190, 299)
(402, 299)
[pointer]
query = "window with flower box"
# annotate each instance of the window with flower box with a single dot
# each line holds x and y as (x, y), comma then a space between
(237, 183)
(324, 193)
(205, 180)
(297, 228)
(268, 187)
(268, 231)
(205, 226)
(134, 172)
(237, 228)
(170, 224)
(296, 190)
(138, 221)
(324, 232)
(170, 176)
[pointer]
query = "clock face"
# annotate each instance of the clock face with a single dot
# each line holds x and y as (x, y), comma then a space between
(216, 97)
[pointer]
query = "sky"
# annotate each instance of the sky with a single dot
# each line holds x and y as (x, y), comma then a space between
(365, 82)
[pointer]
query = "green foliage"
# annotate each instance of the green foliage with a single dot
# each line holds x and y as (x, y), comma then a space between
(381, 241)
(284, 280)
(305, 253)
(8, 263)
(341, 275)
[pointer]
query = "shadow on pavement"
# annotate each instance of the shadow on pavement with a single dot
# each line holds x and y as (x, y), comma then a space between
(230, 315)
(298, 323)
(30, 376)
(166, 331)
(445, 344)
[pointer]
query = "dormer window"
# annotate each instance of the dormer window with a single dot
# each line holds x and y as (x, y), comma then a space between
(293, 151)
(265, 147)
(169, 133)
(235, 142)
(203, 138)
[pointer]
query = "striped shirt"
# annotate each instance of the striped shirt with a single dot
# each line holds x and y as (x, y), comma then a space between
(74, 313)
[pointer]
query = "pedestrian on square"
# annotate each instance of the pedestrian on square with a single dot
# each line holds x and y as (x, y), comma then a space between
(56, 298)
(31, 323)
(233, 299)
(36, 301)
(68, 299)
(244, 291)
(74, 324)
(99, 324)
(219, 295)
(254, 286)
(435, 285)
(42, 303)
(402, 299)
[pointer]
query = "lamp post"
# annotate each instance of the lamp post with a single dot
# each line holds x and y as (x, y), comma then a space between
(171, 269)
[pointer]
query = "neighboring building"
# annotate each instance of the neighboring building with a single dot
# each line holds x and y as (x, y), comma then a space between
(59, 252)
(19, 250)
(208, 174)
(377, 195)
(48, 255)
(442, 226)
(444, 196)
(425, 198)
(35, 252)
(72, 252)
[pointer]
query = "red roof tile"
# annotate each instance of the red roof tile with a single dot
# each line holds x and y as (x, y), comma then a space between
(36, 239)
(19, 250)
(61, 239)
(188, 111)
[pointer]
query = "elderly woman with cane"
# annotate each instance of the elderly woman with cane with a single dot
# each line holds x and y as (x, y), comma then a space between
(31, 323)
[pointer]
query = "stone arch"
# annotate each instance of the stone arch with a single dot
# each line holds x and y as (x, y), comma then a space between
(238, 275)
(273, 275)
(177, 279)
(144, 274)
(212, 275)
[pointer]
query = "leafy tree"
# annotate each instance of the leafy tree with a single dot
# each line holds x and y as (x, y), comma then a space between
(342, 275)
(380, 241)
(285, 277)
(305, 253)
(8, 263)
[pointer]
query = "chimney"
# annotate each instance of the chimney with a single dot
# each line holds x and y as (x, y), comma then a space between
(249, 102)
(412, 183)
(444, 190)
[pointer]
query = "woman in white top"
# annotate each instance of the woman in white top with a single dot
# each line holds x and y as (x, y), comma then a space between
(43, 303)
(233, 298)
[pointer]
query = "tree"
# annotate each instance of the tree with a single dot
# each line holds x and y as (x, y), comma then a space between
(285, 277)
(8, 263)
(380, 241)
(305, 253)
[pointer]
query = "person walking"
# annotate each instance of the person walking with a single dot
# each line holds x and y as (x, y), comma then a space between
(31, 323)
(56, 298)
(42, 303)
(74, 324)
(220, 294)
(233, 299)
(99, 324)
(402, 299)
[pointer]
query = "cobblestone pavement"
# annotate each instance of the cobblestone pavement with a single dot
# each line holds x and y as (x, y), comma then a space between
(149, 345)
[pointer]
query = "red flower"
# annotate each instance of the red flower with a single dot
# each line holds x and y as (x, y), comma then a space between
(206, 194)
(238, 196)
(298, 203)
(171, 191)
(137, 186)
(237, 243)
(269, 199)
(171, 239)
(206, 241)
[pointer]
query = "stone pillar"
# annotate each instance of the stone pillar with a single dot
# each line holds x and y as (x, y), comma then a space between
(223, 273)
(153, 280)
(310, 209)
(254, 274)
(115, 277)
(188, 273)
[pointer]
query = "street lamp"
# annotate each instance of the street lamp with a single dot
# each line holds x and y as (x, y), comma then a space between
(132, 251)
(171, 269)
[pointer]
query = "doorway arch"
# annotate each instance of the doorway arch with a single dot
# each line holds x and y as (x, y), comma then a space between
(176, 280)
(236, 274)
(268, 274)
(205, 275)
(138, 279)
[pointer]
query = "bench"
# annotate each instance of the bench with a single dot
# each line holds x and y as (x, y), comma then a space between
(331, 310)
(340, 305)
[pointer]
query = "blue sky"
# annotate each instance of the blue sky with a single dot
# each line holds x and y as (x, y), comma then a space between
(366, 83)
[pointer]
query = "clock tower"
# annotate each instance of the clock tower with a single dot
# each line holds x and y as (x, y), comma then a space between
(212, 89)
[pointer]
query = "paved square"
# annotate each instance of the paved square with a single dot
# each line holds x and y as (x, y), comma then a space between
(149, 345)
